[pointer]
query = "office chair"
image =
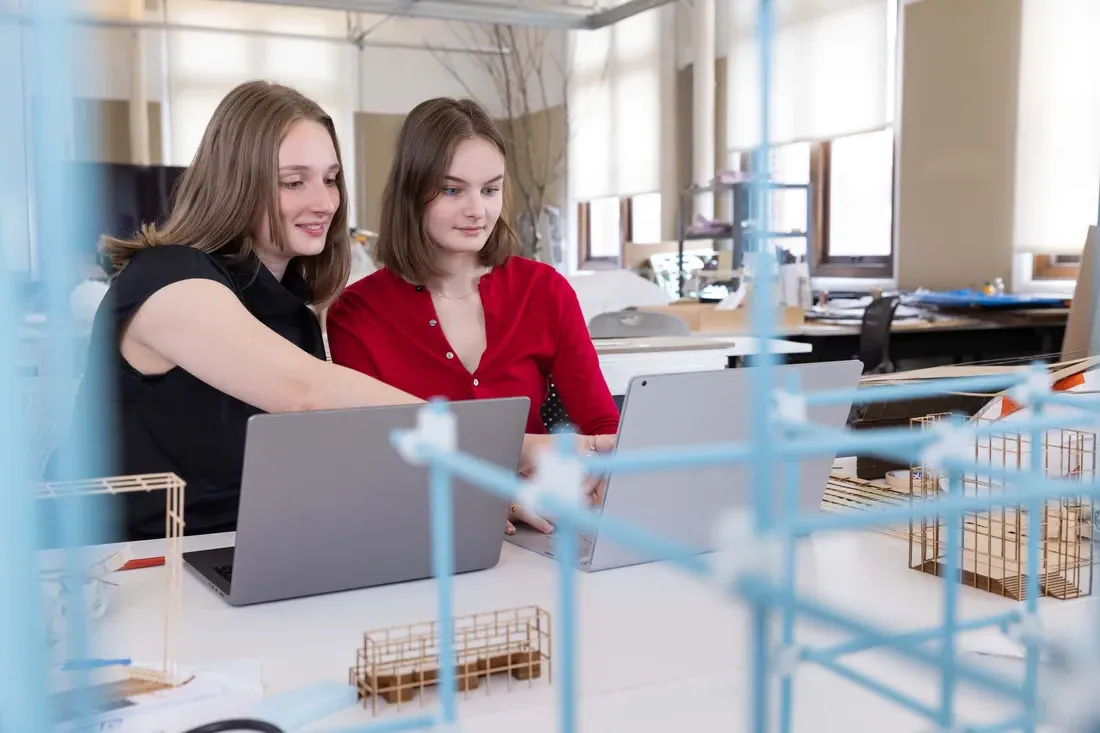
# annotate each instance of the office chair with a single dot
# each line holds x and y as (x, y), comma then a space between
(874, 335)
(626, 323)
(636, 324)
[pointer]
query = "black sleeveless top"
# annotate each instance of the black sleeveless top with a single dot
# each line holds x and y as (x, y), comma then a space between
(174, 422)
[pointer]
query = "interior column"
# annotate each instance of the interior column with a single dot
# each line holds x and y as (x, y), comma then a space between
(703, 27)
(139, 102)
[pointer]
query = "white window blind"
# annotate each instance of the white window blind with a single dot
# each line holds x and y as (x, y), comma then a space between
(861, 195)
(16, 253)
(204, 66)
(614, 144)
(830, 67)
(1058, 130)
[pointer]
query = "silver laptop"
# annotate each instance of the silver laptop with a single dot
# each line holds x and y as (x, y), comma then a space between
(327, 504)
(681, 504)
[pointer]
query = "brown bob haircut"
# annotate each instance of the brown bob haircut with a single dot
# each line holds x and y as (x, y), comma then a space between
(425, 148)
(234, 177)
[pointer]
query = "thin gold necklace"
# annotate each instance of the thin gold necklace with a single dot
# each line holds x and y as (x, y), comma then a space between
(467, 295)
(461, 297)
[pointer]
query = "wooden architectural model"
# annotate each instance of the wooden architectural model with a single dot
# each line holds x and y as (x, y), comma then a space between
(994, 541)
(173, 486)
(398, 662)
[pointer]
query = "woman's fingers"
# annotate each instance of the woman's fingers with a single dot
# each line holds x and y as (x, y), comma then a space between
(522, 514)
(594, 487)
(509, 528)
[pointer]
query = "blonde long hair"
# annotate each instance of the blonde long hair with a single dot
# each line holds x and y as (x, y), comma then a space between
(234, 176)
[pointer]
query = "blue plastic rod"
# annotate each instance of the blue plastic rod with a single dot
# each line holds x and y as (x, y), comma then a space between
(760, 590)
(565, 546)
(921, 636)
(442, 521)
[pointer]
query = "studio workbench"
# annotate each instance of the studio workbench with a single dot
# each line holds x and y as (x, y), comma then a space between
(657, 651)
(947, 339)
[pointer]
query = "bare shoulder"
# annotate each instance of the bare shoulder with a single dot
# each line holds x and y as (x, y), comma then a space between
(182, 311)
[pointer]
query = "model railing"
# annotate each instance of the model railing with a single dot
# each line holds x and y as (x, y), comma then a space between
(398, 662)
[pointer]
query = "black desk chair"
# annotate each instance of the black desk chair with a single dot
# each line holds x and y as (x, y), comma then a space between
(874, 335)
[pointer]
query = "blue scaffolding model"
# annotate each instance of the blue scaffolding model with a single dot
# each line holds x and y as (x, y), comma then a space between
(756, 564)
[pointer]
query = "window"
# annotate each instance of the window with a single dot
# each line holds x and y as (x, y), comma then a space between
(852, 194)
(204, 65)
(604, 228)
(861, 197)
(606, 223)
(615, 134)
(790, 164)
(834, 88)
(1057, 148)
(787, 210)
(645, 218)
(1055, 267)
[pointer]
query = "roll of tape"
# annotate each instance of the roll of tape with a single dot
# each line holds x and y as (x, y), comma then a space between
(898, 480)
(923, 481)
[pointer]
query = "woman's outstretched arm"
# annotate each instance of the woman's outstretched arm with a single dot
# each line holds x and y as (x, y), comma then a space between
(199, 325)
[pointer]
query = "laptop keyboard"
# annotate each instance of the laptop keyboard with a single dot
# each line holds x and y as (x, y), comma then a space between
(584, 546)
(226, 571)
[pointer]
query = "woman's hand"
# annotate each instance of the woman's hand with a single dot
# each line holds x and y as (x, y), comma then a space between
(533, 445)
(519, 513)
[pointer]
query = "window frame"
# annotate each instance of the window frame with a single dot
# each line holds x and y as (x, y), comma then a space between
(1047, 267)
(585, 260)
(822, 262)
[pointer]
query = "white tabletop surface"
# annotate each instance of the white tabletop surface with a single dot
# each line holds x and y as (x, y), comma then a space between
(623, 359)
(657, 650)
(731, 345)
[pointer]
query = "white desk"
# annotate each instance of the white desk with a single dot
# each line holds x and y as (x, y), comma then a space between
(657, 651)
(621, 359)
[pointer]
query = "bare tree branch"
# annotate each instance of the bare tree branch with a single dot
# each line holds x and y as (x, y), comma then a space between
(518, 76)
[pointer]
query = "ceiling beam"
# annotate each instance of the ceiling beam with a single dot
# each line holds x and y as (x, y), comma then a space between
(562, 17)
(604, 18)
(366, 42)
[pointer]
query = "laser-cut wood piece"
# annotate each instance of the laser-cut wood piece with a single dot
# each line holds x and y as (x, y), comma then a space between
(398, 662)
(173, 486)
(993, 552)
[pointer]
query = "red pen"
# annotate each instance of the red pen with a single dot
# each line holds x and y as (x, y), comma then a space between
(143, 562)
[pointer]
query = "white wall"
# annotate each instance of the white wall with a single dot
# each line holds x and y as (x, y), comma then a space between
(15, 223)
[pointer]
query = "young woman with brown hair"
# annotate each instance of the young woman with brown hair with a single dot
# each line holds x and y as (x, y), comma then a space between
(451, 312)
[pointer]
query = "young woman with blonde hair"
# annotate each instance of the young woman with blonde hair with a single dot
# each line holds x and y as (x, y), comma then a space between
(208, 320)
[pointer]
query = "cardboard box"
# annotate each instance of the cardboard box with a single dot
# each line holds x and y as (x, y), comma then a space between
(705, 318)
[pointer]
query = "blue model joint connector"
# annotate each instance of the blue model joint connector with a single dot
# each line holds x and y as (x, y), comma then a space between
(506, 484)
(759, 591)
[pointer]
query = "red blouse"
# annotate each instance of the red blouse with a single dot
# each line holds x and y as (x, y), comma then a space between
(386, 327)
